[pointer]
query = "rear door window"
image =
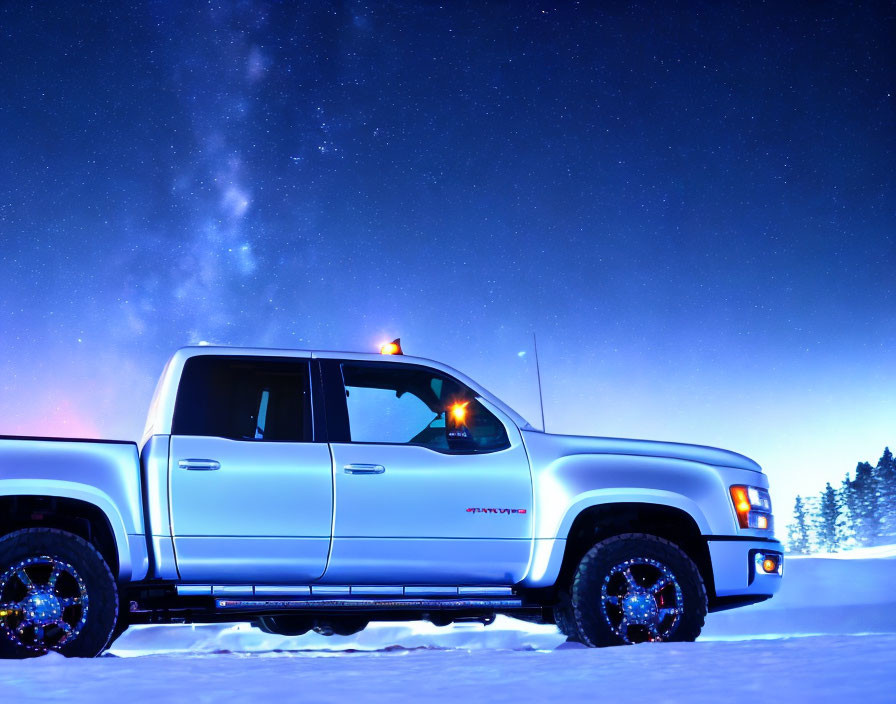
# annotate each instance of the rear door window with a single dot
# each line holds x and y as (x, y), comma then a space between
(244, 398)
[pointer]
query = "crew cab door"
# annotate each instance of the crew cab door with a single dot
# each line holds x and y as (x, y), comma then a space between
(431, 486)
(250, 492)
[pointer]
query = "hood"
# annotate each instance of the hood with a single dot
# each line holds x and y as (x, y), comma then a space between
(582, 444)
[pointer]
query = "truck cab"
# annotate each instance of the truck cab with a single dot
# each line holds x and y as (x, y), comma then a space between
(327, 469)
(310, 489)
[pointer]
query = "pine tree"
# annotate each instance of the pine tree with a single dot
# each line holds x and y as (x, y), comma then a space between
(865, 512)
(828, 520)
(849, 504)
(798, 532)
(862, 512)
(885, 476)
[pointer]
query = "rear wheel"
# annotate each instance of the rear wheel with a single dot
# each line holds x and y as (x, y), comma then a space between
(56, 593)
(637, 588)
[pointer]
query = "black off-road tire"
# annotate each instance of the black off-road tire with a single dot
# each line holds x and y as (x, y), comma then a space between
(592, 625)
(120, 629)
(102, 613)
(564, 619)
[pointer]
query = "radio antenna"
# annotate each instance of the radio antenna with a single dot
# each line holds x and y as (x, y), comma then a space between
(538, 375)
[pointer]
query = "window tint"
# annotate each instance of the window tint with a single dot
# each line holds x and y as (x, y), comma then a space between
(244, 399)
(402, 404)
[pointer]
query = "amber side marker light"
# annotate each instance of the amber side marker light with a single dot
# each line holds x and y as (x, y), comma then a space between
(753, 506)
(393, 347)
(770, 565)
(741, 505)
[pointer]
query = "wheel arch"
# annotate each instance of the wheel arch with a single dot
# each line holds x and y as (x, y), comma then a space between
(591, 522)
(603, 521)
(79, 509)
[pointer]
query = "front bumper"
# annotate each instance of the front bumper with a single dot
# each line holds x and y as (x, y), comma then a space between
(734, 568)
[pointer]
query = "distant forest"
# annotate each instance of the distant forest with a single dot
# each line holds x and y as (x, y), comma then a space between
(860, 512)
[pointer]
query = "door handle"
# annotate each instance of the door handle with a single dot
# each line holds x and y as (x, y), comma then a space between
(201, 465)
(364, 469)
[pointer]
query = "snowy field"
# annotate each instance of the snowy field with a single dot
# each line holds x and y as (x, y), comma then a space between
(829, 635)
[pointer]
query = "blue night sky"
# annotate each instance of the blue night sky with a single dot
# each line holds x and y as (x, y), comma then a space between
(691, 203)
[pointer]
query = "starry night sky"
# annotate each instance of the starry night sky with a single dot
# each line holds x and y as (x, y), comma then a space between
(692, 204)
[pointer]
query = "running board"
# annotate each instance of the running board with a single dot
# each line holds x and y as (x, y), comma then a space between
(365, 604)
(342, 591)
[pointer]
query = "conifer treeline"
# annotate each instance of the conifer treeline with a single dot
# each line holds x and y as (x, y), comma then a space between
(861, 512)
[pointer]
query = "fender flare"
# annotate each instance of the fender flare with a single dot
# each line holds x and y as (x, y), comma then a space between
(548, 553)
(633, 495)
(56, 488)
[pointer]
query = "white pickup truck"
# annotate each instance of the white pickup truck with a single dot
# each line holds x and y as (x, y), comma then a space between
(307, 490)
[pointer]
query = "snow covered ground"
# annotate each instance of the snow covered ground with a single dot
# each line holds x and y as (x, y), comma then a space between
(830, 634)
(816, 669)
(846, 593)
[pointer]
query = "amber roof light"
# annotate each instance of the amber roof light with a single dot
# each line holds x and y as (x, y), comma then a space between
(393, 347)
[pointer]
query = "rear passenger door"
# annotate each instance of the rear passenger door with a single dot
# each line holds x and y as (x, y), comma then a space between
(250, 491)
(431, 486)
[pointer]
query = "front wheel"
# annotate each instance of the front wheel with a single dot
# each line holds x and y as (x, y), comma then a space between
(56, 593)
(637, 588)
(564, 620)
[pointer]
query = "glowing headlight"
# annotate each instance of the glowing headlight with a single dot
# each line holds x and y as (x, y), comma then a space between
(753, 507)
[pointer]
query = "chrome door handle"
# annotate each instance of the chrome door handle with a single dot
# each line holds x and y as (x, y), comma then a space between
(364, 469)
(201, 465)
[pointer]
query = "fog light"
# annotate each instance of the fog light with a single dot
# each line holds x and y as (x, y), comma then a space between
(767, 563)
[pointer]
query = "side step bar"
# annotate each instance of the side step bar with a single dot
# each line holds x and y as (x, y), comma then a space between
(328, 590)
(365, 604)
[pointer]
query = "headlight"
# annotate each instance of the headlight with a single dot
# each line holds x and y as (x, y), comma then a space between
(753, 506)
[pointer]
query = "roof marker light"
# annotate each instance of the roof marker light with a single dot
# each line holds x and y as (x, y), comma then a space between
(393, 347)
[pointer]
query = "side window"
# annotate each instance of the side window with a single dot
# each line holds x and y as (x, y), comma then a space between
(244, 398)
(414, 406)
